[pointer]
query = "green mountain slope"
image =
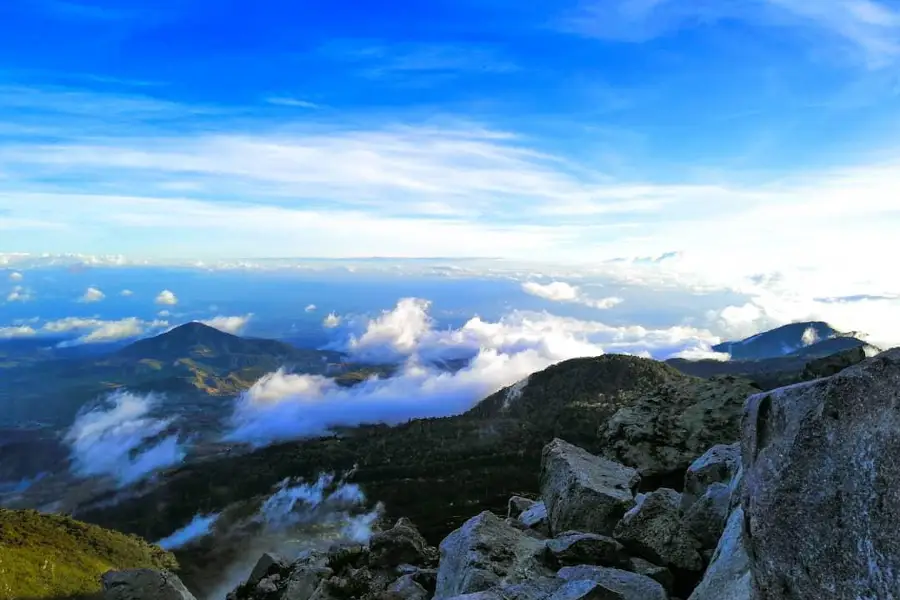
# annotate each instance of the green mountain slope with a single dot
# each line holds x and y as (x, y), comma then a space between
(52, 556)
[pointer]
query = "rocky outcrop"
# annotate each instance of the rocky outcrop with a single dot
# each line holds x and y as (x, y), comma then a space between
(821, 492)
(584, 492)
(143, 584)
(654, 530)
(486, 552)
(662, 433)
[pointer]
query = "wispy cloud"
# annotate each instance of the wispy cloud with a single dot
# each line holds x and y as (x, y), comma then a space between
(292, 102)
(560, 291)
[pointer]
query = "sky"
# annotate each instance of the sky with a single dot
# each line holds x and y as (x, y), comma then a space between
(751, 134)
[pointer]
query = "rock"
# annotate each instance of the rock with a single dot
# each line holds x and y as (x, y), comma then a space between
(535, 589)
(705, 519)
(653, 530)
(402, 544)
(478, 596)
(267, 564)
(832, 364)
(661, 433)
(143, 584)
(728, 575)
(655, 572)
(576, 548)
(535, 517)
(821, 493)
(584, 492)
(719, 464)
(517, 505)
(406, 588)
(304, 580)
(484, 553)
(585, 590)
(629, 586)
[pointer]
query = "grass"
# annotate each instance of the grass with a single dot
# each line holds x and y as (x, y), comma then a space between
(53, 556)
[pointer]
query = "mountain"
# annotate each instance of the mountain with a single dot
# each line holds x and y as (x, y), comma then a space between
(793, 339)
(52, 556)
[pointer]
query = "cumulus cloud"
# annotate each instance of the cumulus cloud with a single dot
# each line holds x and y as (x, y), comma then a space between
(16, 276)
(92, 294)
(120, 439)
(17, 331)
(233, 325)
(560, 291)
(101, 331)
(284, 405)
(126, 293)
(19, 294)
(331, 321)
(167, 297)
(311, 308)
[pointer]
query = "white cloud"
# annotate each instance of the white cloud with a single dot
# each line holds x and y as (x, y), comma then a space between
(560, 291)
(16, 276)
(284, 405)
(92, 294)
(291, 102)
(126, 293)
(310, 308)
(17, 331)
(234, 325)
(331, 321)
(164, 313)
(167, 297)
(121, 440)
(19, 294)
(199, 527)
(101, 331)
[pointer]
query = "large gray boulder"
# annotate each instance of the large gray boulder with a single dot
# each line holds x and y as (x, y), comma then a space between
(728, 575)
(821, 492)
(487, 552)
(654, 530)
(401, 544)
(584, 492)
(627, 585)
(576, 548)
(143, 584)
(705, 519)
(719, 464)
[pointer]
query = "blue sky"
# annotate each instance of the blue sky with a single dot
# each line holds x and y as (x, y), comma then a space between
(575, 131)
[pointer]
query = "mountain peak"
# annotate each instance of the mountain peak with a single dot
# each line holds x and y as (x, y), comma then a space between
(786, 340)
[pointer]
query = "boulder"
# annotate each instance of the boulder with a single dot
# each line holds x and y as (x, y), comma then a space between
(655, 572)
(628, 586)
(534, 589)
(705, 519)
(536, 519)
(487, 552)
(653, 530)
(402, 544)
(821, 493)
(585, 590)
(517, 505)
(661, 433)
(576, 548)
(267, 564)
(719, 464)
(143, 584)
(728, 575)
(406, 588)
(584, 492)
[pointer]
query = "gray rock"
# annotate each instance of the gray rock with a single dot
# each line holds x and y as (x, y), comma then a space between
(653, 530)
(517, 505)
(585, 590)
(576, 548)
(644, 567)
(143, 584)
(728, 575)
(584, 492)
(267, 564)
(536, 518)
(821, 493)
(705, 519)
(486, 552)
(478, 596)
(406, 588)
(535, 589)
(719, 464)
(303, 581)
(402, 544)
(630, 586)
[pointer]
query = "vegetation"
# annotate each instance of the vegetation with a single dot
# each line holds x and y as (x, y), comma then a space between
(52, 556)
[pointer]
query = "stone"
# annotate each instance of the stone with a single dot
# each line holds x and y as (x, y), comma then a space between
(661, 433)
(406, 588)
(267, 564)
(719, 464)
(304, 580)
(402, 544)
(576, 548)
(653, 530)
(535, 518)
(478, 596)
(655, 572)
(585, 590)
(517, 505)
(486, 552)
(535, 589)
(143, 584)
(629, 586)
(584, 492)
(705, 519)
(728, 575)
(821, 493)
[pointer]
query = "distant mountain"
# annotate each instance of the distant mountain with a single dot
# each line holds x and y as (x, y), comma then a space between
(796, 339)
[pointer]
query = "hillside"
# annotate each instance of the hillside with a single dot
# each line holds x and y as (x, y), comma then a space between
(435, 471)
(52, 556)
